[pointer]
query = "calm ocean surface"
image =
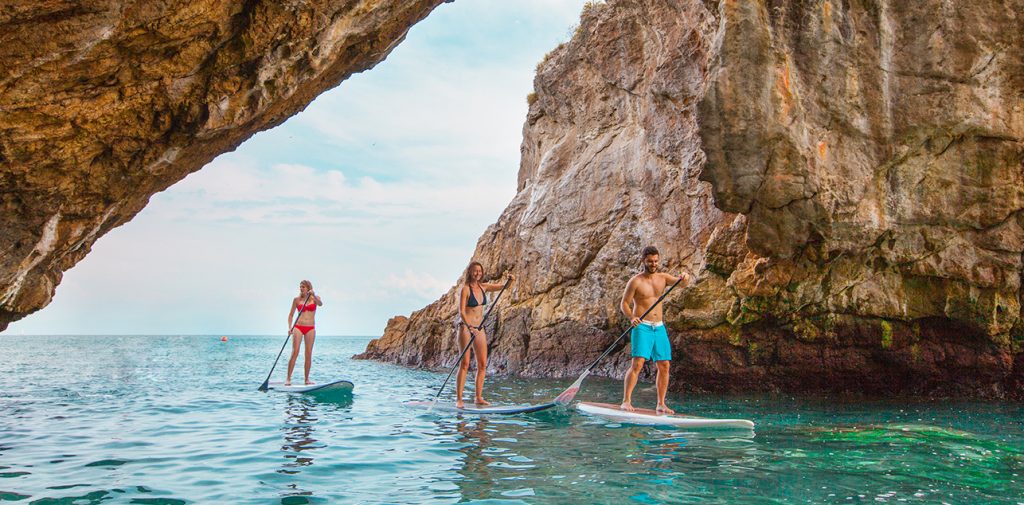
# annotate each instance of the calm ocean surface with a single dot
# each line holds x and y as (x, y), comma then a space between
(87, 419)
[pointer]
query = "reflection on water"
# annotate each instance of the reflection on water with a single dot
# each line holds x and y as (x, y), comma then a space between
(298, 429)
(559, 456)
(476, 443)
(300, 443)
(177, 419)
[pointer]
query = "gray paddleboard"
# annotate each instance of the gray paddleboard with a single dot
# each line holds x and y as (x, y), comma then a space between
(328, 387)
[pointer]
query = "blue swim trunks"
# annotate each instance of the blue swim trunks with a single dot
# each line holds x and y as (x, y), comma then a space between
(650, 341)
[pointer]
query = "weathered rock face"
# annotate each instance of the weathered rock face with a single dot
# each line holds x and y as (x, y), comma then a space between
(610, 160)
(104, 103)
(847, 178)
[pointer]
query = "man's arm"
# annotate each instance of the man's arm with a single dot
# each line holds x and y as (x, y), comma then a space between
(627, 303)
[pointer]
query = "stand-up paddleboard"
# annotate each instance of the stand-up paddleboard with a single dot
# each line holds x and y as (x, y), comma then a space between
(650, 417)
(498, 410)
(341, 386)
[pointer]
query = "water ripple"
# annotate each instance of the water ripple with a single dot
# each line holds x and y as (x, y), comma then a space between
(177, 420)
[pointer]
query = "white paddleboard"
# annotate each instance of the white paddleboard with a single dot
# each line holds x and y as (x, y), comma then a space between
(650, 417)
(328, 387)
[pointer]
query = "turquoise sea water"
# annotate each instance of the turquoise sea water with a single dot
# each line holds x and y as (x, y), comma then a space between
(178, 420)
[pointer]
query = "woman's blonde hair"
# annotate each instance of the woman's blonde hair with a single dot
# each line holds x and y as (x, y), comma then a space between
(309, 285)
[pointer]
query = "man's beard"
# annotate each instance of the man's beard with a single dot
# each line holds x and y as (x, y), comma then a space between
(650, 270)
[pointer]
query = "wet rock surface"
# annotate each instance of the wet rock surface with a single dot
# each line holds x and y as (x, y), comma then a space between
(846, 178)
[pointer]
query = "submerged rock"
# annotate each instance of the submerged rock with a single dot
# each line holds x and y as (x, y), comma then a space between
(847, 180)
(105, 103)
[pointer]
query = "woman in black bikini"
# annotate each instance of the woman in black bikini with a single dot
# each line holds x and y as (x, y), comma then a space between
(472, 303)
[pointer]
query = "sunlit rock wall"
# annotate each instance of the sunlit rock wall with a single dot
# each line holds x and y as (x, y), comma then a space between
(846, 177)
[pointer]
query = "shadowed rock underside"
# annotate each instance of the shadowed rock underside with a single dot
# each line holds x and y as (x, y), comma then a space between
(104, 103)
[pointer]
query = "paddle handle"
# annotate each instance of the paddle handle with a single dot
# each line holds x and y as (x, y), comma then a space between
(266, 384)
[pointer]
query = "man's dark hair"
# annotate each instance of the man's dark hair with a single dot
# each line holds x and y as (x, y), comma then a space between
(648, 251)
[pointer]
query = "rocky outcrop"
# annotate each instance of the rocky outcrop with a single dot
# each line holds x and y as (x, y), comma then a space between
(105, 103)
(847, 178)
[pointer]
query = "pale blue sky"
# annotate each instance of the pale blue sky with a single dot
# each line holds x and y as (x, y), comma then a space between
(377, 193)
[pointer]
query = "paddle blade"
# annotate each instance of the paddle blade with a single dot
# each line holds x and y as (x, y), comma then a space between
(264, 387)
(566, 397)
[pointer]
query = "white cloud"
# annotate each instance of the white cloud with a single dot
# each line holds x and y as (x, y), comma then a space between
(237, 187)
(422, 284)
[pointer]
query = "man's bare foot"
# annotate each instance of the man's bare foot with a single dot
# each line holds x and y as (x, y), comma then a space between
(482, 402)
(309, 382)
(663, 409)
(460, 405)
(288, 382)
(627, 406)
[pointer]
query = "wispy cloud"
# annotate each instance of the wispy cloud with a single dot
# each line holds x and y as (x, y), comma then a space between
(239, 188)
(422, 284)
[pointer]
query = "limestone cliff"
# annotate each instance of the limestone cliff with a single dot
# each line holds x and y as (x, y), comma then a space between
(846, 177)
(104, 103)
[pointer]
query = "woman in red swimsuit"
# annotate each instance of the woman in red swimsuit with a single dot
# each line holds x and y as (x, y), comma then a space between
(304, 330)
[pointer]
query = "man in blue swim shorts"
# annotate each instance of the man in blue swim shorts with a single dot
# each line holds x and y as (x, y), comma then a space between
(649, 340)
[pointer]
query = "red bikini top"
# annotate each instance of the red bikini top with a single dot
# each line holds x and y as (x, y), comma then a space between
(309, 308)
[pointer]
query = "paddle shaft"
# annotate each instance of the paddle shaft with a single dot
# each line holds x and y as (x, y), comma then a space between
(471, 337)
(266, 383)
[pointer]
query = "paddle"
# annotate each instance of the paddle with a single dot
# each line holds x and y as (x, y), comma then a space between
(570, 392)
(464, 349)
(266, 384)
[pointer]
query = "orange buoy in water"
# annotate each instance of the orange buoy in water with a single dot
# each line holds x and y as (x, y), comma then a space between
(224, 339)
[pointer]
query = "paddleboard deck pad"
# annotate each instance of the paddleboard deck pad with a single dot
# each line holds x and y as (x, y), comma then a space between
(650, 417)
(328, 387)
(498, 409)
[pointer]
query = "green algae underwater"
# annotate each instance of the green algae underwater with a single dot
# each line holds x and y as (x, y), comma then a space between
(177, 419)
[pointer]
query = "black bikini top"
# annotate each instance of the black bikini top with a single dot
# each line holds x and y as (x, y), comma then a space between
(472, 299)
